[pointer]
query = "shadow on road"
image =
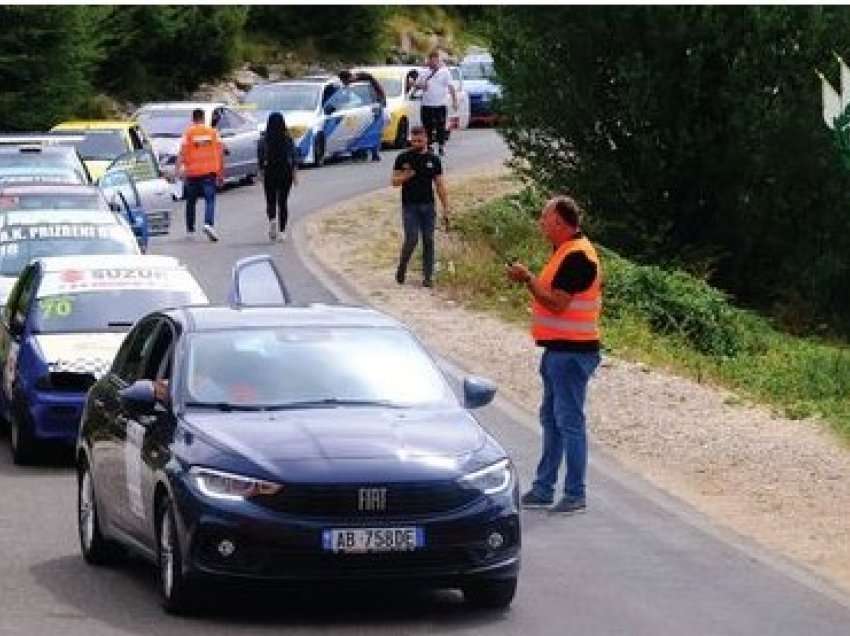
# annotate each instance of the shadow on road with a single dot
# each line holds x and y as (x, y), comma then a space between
(125, 596)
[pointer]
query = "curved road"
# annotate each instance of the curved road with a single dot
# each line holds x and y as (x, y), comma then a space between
(637, 563)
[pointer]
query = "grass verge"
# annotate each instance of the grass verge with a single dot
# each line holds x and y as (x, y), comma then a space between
(654, 315)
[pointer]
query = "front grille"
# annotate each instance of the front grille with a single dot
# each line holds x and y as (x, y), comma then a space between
(402, 500)
(159, 222)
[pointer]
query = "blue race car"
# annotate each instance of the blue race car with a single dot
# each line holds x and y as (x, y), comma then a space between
(324, 118)
(65, 319)
(275, 443)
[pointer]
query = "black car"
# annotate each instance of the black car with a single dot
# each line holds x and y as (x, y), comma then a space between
(284, 443)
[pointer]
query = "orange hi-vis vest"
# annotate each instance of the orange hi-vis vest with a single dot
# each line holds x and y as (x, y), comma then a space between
(579, 322)
(202, 151)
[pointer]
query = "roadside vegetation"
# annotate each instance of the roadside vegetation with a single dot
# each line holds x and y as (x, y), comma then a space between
(61, 62)
(657, 315)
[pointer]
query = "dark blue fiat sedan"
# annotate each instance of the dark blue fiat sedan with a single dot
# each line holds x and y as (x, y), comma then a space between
(287, 443)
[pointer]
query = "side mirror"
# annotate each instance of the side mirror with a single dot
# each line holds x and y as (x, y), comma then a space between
(139, 396)
(330, 109)
(256, 283)
(477, 392)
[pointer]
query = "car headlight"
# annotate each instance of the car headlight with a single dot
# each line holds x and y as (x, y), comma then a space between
(220, 485)
(491, 479)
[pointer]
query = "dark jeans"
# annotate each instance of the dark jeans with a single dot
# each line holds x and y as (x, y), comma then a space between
(194, 188)
(565, 376)
(418, 217)
(277, 198)
(434, 120)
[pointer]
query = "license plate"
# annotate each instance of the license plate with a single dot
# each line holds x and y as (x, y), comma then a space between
(361, 540)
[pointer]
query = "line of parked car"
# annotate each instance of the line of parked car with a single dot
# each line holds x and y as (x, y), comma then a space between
(255, 441)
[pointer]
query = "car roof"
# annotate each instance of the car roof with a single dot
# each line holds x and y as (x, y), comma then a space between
(94, 124)
(36, 147)
(217, 318)
(48, 188)
(301, 81)
(181, 105)
(108, 261)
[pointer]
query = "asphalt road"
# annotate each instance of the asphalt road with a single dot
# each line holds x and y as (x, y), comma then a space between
(637, 563)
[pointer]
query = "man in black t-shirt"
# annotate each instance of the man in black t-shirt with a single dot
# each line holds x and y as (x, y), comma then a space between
(417, 170)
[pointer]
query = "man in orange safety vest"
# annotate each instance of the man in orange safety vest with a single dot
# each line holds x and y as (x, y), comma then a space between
(565, 308)
(201, 165)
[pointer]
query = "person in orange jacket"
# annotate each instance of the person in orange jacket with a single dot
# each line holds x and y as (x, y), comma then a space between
(566, 304)
(201, 166)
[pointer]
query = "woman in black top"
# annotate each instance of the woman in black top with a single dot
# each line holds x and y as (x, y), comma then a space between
(278, 161)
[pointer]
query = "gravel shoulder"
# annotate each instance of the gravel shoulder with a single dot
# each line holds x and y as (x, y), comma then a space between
(783, 483)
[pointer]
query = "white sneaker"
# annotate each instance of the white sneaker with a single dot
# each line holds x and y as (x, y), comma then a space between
(273, 230)
(210, 232)
(283, 235)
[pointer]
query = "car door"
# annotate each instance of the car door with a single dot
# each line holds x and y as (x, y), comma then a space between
(148, 440)
(244, 146)
(228, 140)
(341, 120)
(154, 190)
(369, 115)
(12, 328)
(115, 482)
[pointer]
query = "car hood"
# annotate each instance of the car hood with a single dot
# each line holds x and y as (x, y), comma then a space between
(166, 145)
(477, 87)
(97, 167)
(79, 352)
(428, 442)
(305, 118)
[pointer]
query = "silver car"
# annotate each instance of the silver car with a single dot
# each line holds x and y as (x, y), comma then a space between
(165, 122)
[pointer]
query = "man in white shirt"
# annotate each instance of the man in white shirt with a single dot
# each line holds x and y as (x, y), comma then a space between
(436, 83)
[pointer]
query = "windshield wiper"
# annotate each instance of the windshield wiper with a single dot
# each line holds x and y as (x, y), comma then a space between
(334, 402)
(224, 406)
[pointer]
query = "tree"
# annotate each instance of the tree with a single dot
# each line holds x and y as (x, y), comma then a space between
(351, 32)
(47, 55)
(693, 135)
(167, 51)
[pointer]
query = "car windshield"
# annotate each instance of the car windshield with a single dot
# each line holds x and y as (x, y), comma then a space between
(111, 310)
(165, 123)
(52, 201)
(101, 145)
(283, 98)
(28, 235)
(311, 367)
(392, 86)
(44, 161)
(478, 70)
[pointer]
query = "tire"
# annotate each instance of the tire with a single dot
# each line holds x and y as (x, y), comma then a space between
(248, 179)
(401, 134)
(318, 151)
(24, 445)
(496, 594)
(179, 594)
(95, 548)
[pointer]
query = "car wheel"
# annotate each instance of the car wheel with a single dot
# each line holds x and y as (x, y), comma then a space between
(248, 179)
(21, 439)
(318, 151)
(96, 549)
(490, 594)
(401, 134)
(179, 594)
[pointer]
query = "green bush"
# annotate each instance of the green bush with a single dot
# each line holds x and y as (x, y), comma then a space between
(660, 315)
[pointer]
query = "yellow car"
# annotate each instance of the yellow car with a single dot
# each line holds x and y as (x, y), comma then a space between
(105, 140)
(402, 108)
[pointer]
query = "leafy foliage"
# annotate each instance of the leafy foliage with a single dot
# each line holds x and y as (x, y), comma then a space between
(694, 137)
(162, 51)
(350, 31)
(47, 55)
